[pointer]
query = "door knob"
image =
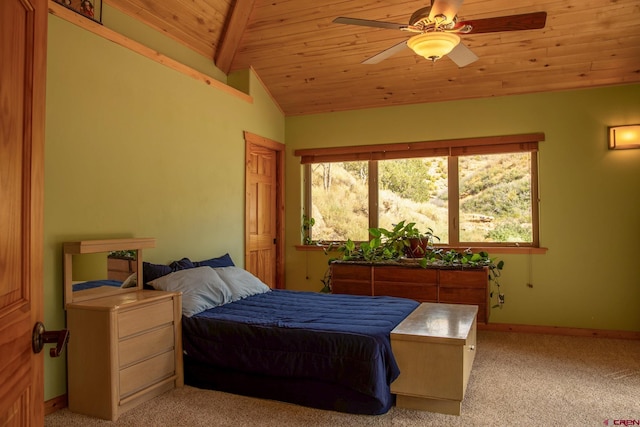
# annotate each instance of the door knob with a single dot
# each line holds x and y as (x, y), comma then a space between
(41, 337)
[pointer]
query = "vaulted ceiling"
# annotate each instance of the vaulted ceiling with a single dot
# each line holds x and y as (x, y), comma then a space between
(310, 64)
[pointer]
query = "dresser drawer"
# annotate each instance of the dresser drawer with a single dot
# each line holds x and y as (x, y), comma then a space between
(146, 373)
(145, 317)
(416, 291)
(351, 272)
(460, 295)
(464, 279)
(405, 275)
(143, 346)
(350, 287)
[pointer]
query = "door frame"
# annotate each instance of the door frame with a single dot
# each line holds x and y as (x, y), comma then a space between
(279, 150)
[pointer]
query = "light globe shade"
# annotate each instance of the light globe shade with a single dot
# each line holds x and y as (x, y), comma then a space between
(433, 45)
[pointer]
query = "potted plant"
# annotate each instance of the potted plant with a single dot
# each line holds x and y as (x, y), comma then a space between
(404, 239)
(418, 242)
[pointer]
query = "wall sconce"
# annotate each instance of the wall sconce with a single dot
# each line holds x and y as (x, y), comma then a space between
(624, 137)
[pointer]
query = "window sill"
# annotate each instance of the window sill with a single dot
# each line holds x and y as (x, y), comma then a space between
(524, 250)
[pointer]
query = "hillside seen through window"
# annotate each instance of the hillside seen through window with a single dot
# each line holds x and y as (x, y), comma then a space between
(493, 194)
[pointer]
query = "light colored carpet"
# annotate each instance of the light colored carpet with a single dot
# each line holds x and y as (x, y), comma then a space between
(517, 380)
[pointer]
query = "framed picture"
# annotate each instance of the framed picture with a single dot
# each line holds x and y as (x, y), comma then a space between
(91, 9)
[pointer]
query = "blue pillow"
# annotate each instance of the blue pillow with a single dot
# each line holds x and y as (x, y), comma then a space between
(153, 271)
(182, 264)
(223, 261)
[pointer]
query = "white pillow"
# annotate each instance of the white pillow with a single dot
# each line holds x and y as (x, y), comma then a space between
(131, 281)
(241, 283)
(201, 287)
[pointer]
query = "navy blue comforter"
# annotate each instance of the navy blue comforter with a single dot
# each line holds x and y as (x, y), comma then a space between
(339, 339)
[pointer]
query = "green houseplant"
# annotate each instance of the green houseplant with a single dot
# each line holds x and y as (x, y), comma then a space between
(418, 242)
(385, 245)
(307, 224)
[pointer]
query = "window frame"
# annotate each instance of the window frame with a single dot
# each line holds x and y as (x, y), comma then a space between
(452, 149)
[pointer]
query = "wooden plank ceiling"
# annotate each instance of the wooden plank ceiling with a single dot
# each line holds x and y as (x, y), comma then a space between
(311, 65)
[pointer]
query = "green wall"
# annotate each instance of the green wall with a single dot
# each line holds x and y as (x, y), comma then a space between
(590, 197)
(136, 149)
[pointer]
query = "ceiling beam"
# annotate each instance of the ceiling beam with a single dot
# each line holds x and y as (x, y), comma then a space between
(231, 39)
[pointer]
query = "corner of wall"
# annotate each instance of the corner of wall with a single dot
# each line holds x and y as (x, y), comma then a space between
(240, 80)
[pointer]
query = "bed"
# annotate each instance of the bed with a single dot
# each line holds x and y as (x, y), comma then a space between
(318, 350)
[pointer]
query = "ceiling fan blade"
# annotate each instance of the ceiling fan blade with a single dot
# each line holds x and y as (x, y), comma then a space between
(448, 8)
(526, 21)
(369, 23)
(462, 56)
(386, 53)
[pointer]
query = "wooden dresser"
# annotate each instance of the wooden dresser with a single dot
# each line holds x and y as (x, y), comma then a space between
(409, 280)
(123, 350)
(125, 344)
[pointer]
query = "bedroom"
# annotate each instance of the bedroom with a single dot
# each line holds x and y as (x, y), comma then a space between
(126, 153)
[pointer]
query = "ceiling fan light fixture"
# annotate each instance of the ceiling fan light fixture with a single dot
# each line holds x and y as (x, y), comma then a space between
(433, 45)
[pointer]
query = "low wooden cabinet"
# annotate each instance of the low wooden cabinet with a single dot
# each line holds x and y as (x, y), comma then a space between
(408, 280)
(123, 350)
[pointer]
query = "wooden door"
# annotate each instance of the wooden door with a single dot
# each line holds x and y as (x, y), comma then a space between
(23, 31)
(264, 210)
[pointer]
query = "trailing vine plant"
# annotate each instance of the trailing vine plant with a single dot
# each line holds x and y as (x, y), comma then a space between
(307, 223)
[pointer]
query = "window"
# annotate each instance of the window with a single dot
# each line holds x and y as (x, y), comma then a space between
(472, 192)
(415, 190)
(495, 198)
(340, 202)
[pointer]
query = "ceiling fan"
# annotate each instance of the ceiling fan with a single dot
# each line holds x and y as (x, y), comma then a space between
(436, 29)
